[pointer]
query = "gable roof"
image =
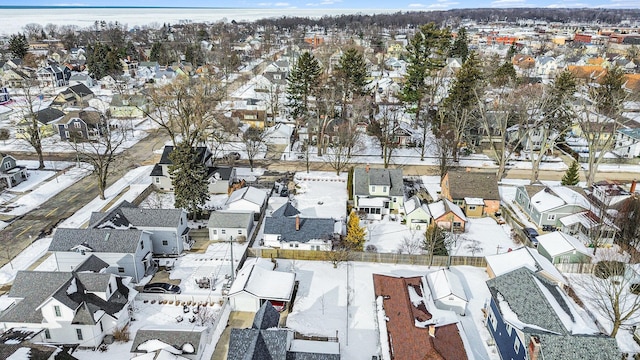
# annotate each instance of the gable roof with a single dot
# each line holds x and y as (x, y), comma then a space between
(409, 341)
(255, 344)
(78, 89)
(89, 117)
(506, 262)
(203, 155)
(473, 184)
(224, 219)
(267, 317)
(98, 240)
(263, 283)
(286, 210)
(48, 115)
(127, 215)
(176, 337)
(362, 179)
(310, 228)
(444, 283)
(557, 243)
(250, 194)
(538, 308)
(443, 207)
(92, 264)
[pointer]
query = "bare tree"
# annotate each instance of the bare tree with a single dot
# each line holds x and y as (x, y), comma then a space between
(608, 291)
(102, 153)
(253, 140)
(411, 244)
(185, 109)
(30, 127)
(338, 156)
(338, 256)
(444, 148)
(384, 127)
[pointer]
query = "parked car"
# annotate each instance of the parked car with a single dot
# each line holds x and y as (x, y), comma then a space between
(232, 156)
(161, 288)
(532, 235)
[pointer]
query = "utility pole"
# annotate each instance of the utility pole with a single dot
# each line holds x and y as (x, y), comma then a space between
(233, 273)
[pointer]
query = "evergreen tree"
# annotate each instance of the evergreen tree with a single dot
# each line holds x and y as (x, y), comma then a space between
(352, 69)
(558, 108)
(355, 233)
(188, 177)
(572, 176)
(460, 48)
(18, 45)
(427, 52)
(103, 60)
(504, 74)
(462, 93)
(610, 95)
(303, 80)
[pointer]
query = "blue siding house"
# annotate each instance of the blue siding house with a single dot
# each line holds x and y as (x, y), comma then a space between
(531, 318)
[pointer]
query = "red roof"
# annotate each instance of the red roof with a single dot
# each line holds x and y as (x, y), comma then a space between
(406, 340)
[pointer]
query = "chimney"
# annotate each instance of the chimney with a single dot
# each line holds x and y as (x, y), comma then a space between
(534, 348)
(432, 331)
(297, 222)
(633, 187)
(367, 168)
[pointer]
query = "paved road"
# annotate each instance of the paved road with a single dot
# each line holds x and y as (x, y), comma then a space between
(22, 231)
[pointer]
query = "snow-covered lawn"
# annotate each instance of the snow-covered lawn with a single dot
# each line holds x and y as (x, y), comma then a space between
(483, 237)
(24, 260)
(582, 284)
(321, 194)
(341, 301)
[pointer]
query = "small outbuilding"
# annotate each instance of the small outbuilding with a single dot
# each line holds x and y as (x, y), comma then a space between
(258, 282)
(447, 291)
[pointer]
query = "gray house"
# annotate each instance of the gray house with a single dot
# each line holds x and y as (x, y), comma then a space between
(225, 225)
(547, 205)
(128, 252)
(377, 192)
(11, 174)
(81, 125)
(296, 233)
(167, 228)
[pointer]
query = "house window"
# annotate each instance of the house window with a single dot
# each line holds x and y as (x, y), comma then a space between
(120, 269)
(239, 231)
(395, 199)
(215, 231)
(516, 345)
(492, 320)
(472, 207)
(47, 334)
(296, 245)
(290, 245)
(384, 189)
(157, 180)
(109, 288)
(79, 334)
(509, 329)
(101, 328)
(165, 242)
(551, 217)
(7, 165)
(456, 224)
(77, 125)
(56, 310)
(223, 231)
(142, 245)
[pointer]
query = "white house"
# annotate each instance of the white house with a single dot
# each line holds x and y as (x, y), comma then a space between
(627, 143)
(447, 291)
(72, 308)
(127, 252)
(247, 199)
(174, 343)
(416, 214)
(225, 225)
(257, 282)
(297, 233)
(506, 262)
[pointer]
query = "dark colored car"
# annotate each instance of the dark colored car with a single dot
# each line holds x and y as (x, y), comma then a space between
(232, 156)
(161, 288)
(532, 235)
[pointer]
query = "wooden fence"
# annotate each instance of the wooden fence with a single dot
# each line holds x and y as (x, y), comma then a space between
(389, 258)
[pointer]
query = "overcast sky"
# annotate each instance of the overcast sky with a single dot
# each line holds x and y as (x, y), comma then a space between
(345, 4)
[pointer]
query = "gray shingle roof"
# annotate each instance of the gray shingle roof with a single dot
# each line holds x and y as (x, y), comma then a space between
(254, 344)
(311, 356)
(174, 337)
(98, 240)
(519, 289)
(384, 177)
(267, 317)
(310, 228)
(92, 264)
(203, 155)
(49, 114)
(223, 219)
(286, 210)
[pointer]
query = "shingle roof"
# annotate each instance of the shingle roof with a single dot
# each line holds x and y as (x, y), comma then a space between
(310, 228)
(267, 317)
(176, 337)
(203, 155)
(254, 344)
(473, 184)
(385, 177)
(223, 219)
(127, 215)
(520, 290)
(98, 240)
(32, 296)
(49, 114)
(286, 210)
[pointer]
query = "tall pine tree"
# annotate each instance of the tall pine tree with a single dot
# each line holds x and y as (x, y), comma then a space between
(352, 70)
(18, 45)
(572, 176)
(188, 177)
(460, 48)
(355, 233)
(302, 81)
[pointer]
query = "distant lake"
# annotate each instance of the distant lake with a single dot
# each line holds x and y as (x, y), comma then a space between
(13, 18)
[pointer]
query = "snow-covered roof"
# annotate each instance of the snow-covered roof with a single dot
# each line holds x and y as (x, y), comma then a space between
(250, 194)
(258, 280)
(444, 283)
(373, 201)
(523, 257)
(557, 243)
(474, 201)
(545, 201)
(571, 197)
(439, 208)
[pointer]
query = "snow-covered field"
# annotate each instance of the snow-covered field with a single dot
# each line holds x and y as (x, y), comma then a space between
(341, 301)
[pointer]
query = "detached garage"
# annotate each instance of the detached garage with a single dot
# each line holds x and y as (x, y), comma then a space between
(447, 291)
(258, 282)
